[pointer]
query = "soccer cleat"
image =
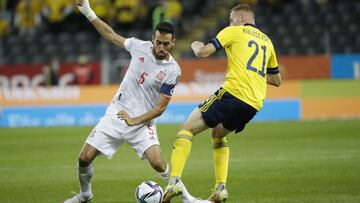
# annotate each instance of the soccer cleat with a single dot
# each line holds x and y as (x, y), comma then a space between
(172, 190)
(220, 194)
(78, 199)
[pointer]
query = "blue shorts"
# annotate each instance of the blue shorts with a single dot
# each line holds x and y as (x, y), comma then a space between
(222, 107)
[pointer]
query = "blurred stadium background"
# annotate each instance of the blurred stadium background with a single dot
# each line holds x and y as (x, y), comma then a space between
(47, 43)
(56, 71)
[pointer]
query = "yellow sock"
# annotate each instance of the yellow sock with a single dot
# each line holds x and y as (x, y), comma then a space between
(221, 153)
(180, 152)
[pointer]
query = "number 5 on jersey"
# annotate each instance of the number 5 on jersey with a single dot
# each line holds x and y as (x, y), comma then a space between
(142, 78)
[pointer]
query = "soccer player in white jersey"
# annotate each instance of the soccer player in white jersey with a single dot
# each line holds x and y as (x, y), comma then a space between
(143, 95)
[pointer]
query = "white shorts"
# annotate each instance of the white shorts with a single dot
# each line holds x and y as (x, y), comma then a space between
(109, 139)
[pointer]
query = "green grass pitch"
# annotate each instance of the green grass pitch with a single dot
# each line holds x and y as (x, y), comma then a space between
(310, 161)
(339, 88)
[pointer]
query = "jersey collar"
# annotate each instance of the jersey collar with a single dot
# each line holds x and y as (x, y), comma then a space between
(249, 24)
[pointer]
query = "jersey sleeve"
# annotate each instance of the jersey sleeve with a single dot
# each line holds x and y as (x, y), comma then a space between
(273, 66)
(131, 43)
(170, 82)
(223, 38)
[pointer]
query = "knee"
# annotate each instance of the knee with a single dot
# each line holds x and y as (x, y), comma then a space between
(219, 131)
(215, 134)
(187, 127)
(187, 130)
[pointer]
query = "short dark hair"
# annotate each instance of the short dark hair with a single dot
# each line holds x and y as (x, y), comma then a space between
(165, 28)
(243, 7)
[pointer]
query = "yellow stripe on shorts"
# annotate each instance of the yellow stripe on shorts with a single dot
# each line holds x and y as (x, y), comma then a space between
(211, 100)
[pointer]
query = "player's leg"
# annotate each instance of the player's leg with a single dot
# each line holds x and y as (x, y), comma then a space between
(97, 143)
(208, 114)
(239, 114)
(181, 151)
(153, 155)
(147, 146)
(183, 142)
(86, 169)
(85, 173)
(221, 153)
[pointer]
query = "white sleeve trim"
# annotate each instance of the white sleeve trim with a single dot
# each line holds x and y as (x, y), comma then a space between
(127, 44)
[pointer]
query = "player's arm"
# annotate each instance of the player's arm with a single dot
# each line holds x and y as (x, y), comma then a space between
(105, 30)
(202, 50)
(223, 39)
(149, 115)
(108, 33)
(273, 77)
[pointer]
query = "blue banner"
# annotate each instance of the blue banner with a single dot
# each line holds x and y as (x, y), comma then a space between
(88, 115)
(51, 116)
(345, 66)
(279, 110)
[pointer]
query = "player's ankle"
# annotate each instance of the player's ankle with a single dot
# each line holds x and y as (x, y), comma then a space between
(173, 179)
(85, 195)
(166, 174)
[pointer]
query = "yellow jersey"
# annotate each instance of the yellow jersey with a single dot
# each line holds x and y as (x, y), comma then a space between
(251, 55)
(27, 13)
(58, 9)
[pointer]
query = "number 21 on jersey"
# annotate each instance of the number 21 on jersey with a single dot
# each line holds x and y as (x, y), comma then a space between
(249, 64)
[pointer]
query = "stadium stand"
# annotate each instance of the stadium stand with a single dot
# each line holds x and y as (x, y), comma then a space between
(294, 26)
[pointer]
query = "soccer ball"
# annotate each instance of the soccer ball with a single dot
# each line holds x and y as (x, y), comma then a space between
(149, 192)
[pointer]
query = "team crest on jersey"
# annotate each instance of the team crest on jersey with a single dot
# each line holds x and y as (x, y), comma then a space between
(161, 75)
(142, 59)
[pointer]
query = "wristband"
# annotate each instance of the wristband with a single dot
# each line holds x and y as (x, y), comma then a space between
(91, 15)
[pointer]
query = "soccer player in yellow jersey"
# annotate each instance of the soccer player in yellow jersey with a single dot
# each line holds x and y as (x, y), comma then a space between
(251, 64)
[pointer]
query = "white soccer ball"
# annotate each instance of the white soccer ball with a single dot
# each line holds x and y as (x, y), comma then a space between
(149, 192)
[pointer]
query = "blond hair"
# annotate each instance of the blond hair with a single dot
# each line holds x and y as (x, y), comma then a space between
(243, 7)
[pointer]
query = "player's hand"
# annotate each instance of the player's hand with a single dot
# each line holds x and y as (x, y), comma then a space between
(84, 8)
(196, 45)
(125, 116)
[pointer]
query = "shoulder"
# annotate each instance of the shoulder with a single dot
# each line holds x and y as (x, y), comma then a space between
(133, 42)
(227, 30)
(230, 28)
(266, 38)
(175, 68)
(230, 31)
(174, 73)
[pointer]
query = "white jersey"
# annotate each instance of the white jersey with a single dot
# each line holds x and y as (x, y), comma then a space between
(145, 80)
(139, 92)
